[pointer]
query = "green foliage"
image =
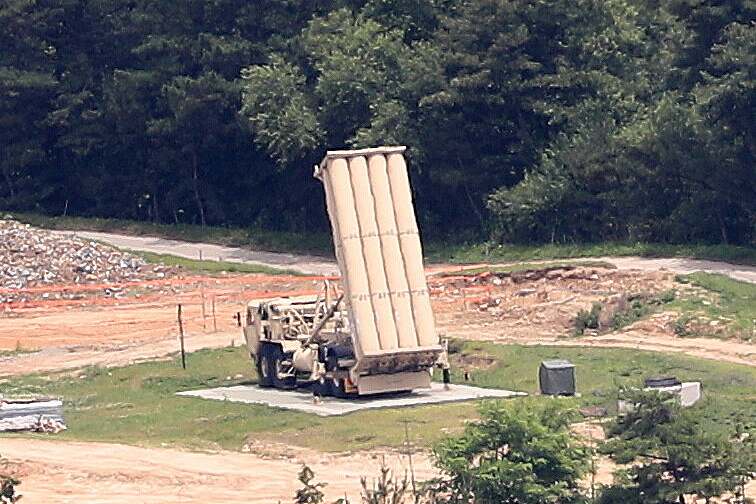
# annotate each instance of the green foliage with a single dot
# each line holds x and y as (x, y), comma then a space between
(386, 489)
(512, 454)
(638, 306)
(8, 494)
(672, 454)
(646, 157)
(587, 319)
(282, 120)
(725, 306)
(528, 122)
(310, 493)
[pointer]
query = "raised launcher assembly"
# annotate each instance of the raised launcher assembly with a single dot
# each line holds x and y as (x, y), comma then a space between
(378, 336)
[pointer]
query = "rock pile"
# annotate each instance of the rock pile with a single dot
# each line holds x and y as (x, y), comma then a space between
(31, 257)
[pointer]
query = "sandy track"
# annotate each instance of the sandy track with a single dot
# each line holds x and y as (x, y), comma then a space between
(59, 358)
(325, 266)
(101, 473)
(109, 337)
(213, 252)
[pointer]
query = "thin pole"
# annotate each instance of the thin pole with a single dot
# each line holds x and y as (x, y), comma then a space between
(409, 455)
(202, 291)
(215, 321)
(181, 338)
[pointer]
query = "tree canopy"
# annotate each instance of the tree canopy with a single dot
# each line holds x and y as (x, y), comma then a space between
(513, 455)
(671, 454)
(526, 120)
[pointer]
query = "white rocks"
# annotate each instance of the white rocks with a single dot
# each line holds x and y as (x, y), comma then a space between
(32, 258)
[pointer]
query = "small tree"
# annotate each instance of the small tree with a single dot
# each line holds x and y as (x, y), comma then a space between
(671, 453)
(311, 492)
(513, 455)
(385, 490)
(8, 484)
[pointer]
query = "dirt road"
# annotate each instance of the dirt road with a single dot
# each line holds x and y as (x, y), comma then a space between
(321, 266)
(212, 252)
(101, 473)
(58, 358)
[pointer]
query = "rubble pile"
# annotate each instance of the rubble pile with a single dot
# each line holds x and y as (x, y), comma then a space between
(31, 257)
(36, 415)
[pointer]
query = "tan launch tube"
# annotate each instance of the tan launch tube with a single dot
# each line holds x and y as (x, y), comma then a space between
(371, 251)
(409, 242)
(378, 250)
(343, 213)
(392, 254)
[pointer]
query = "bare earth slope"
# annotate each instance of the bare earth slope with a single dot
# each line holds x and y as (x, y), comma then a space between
(102, 473)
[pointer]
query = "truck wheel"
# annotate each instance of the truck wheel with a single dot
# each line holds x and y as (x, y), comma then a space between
(277, 356)
(338, 389)
(322, 389)
(265, 377)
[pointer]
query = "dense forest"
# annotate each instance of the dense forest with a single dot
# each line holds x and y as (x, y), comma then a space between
(526, 120)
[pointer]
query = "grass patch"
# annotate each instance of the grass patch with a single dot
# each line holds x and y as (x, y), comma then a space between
(18, 350)
(640, 306)
(137, 404)
(621, 312)
(210, 267)
(716, 306)
(486, 252)
(729, 390)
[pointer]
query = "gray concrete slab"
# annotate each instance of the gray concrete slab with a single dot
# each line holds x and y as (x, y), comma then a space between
(302, 400)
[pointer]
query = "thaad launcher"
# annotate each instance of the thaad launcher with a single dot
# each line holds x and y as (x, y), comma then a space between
(378, 334)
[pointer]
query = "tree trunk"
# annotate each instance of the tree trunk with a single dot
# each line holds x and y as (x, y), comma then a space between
(9, 181)
(195, 186)
(155, 208)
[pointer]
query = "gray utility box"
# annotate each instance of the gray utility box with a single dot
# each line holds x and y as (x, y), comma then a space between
(557, 377)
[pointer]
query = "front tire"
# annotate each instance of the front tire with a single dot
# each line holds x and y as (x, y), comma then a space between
(264, 375)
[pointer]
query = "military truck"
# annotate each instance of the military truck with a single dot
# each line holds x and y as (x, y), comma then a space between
(376, 334)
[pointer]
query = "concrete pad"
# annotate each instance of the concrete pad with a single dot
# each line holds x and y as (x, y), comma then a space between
(302, 400)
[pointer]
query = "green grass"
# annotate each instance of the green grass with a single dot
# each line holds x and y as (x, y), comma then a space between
(137, 405)
(210, 267)
(717, 298)
(18, 350)
(729, 390)
(485, 252)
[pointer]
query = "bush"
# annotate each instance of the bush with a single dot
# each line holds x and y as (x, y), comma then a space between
(587, 319)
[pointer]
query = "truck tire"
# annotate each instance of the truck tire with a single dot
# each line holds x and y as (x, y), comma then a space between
(338, 389)
(321, 389)
(277, 356)
(264, 375)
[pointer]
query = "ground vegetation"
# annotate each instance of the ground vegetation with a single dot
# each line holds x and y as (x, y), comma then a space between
(671, 457)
